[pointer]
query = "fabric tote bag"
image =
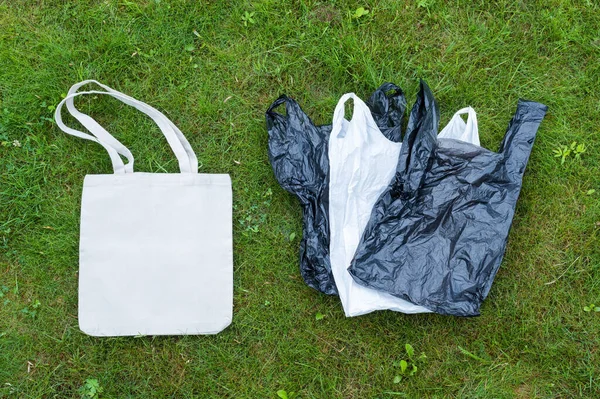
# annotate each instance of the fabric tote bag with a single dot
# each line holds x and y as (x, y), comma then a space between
(155, 251)
(362, 163)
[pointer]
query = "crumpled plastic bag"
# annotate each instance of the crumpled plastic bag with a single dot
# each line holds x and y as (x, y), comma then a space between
(298, 153)
(362, 162)
(437, 235)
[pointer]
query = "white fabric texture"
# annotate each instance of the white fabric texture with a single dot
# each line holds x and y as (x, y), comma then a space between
(362, 162)
(155, 251)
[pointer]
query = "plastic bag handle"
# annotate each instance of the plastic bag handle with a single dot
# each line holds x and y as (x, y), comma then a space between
(520, 135)
(471, 119)
(273, 117)
(419, 142)
(471, 125)
(188, 163)
(282, 99)
(360, 109)
(388, 86)
(388, 108)
(458, 129)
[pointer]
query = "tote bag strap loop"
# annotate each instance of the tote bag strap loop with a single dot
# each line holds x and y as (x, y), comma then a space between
(188, 163)
(117, 162)
(97, 131)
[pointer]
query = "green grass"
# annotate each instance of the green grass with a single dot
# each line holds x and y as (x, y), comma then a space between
(533, 339)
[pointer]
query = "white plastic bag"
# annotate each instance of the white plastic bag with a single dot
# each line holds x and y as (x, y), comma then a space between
(362, 163)
(155, 249)
(459, 130)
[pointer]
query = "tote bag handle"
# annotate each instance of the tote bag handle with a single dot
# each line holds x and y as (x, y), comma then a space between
(188, 163)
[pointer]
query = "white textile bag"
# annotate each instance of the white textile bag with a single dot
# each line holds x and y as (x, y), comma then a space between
(155, 251)
(362, 162)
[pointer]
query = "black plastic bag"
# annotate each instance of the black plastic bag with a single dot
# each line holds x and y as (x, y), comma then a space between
(437, 235)
(298, 153)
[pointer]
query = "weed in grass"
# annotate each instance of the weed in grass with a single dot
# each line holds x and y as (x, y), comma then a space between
(91, 389)
(248, 18)
(591, 308)
(360, 12)
(564, 151)
(256, 215)
(579, 150)
(408, 367)
(31, 311)
(285, 395)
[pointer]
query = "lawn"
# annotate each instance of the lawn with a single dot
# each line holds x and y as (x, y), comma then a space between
(214, 67)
